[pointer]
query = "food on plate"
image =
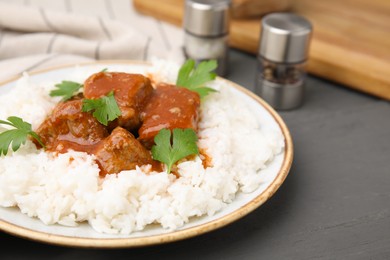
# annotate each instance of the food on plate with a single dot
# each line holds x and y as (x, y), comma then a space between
(17, 136)
(68, 127)
(169, 107)
(100, 147)
(72, 126)
(131, 92)
(122, 151)
(182, 145)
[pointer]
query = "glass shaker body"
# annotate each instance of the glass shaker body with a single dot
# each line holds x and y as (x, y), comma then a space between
(206, 26)
(201, 48)
(281, 84)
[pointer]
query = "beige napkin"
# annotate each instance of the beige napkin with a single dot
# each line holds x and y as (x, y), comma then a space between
(32, 30)
(37, 34)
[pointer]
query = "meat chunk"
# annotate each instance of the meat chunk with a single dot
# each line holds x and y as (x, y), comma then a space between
(70, 128)
(169, 107)
(121, 151)
(131, 91)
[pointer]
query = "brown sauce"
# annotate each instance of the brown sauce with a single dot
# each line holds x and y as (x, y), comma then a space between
(63, 146)
(206, 159)
(131, 92)
(145, 111)
(169, 107)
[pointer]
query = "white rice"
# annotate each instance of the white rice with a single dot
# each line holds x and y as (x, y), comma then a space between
(66, 189)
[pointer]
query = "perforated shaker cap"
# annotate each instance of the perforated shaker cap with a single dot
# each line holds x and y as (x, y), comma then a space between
(207, 18)
(285, 37)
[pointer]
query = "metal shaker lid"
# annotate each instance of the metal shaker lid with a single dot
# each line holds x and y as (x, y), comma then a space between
(207, 17)
(285, 37)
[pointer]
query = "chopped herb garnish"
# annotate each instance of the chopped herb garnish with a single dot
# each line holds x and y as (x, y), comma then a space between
(105, 109)
(17, 136)
(195, 78)
(182, 145)
(66, 89)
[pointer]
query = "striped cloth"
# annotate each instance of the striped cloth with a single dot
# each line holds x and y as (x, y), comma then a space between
(36, 34)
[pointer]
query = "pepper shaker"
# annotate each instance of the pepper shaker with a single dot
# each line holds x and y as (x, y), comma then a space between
(206, 25)
(282, 55)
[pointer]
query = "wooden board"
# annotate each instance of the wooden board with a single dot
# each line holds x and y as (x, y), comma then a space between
(350, 44)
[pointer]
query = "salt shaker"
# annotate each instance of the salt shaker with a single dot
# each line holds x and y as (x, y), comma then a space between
(282, 54)
(206, 25)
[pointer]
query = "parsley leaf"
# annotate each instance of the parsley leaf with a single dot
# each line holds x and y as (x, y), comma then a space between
(195, 78)
(66, 89)
(17, 136)
(183, 144)
(105, 108)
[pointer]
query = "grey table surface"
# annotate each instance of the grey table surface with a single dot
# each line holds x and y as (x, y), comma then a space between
(335, 203)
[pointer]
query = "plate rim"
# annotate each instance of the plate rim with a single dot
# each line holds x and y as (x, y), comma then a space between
(173, 236)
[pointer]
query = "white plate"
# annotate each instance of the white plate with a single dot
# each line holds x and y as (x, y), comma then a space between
(14, 222)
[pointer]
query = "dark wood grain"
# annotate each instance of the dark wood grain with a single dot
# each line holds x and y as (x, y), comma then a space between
(350, 43)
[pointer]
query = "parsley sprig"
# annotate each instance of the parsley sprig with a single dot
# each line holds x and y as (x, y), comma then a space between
(105, 109)
(183, 144)
(17, 136)
(195, 78)
(66, 89)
